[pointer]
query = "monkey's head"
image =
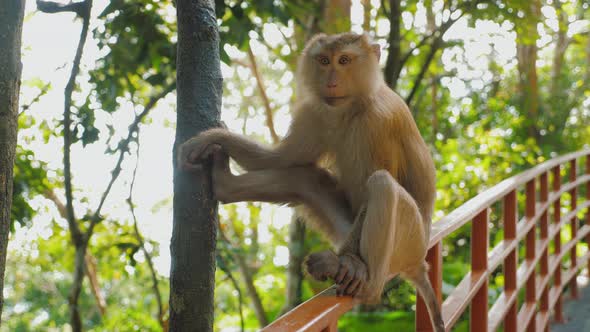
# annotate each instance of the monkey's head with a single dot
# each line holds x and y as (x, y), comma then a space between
(339, 68)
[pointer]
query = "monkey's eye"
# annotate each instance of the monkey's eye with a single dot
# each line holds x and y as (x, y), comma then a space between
(344, 60)
(323, 60)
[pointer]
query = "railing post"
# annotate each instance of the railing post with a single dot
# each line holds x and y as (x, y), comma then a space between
(557, 242)
(574, 227)
(545, 255)
(333, 327)
(434, 259)
(544, 236)
(531, 290)
(511, 261)
(479, 264)
(588, 210)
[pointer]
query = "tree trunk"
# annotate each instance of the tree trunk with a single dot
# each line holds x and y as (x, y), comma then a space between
(336, 16)
(560, 97)
(393, 63)
(251, 289)
(366, 15)
(11, 16)
(526, 49)
(431, 25)
(434, 104)
(192, 275)
(296, 255)
(561, 46)
(76, 290)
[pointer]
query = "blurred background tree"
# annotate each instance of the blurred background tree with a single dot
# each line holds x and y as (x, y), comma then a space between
(495, 87)
(11, 14)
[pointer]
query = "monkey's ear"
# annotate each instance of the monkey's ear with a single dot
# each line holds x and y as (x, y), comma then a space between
(377, 50)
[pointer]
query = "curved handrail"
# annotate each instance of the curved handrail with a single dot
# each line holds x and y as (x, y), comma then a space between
(467, 211)
(322, 311)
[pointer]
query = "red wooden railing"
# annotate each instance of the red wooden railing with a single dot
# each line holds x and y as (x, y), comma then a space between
(542, 273)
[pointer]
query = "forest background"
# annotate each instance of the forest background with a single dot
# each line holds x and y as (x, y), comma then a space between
(494, 86)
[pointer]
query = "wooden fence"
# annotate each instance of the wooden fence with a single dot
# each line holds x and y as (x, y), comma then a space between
(547, 267)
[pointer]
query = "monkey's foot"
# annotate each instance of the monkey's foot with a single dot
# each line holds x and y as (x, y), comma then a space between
(222, 176)
(348, 271)
(352, 275)
(207, 152)
(220, 158)
(322, 265)
(193, 152)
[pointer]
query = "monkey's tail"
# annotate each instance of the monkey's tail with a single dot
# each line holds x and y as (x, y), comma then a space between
(419, 277)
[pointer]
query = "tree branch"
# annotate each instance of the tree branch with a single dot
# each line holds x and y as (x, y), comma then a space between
(433, 32)
(437, 44)
(223, 267)
(433, 49)
(289, 41)
(83, 10)
(421, 43)
(247, 274)
(92, 275)
(123, 147)
(241, 63)
(41, 93)
(81, 240)
(61, 208)
(141, 242)
(88, 259)
(268, 109)
(50, 7)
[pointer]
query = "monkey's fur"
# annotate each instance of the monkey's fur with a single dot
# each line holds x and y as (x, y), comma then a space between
(354, 157)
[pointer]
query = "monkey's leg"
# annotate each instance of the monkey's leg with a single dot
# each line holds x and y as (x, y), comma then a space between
(366, 255)
(392, 239)
(310, 185)
(364, 259)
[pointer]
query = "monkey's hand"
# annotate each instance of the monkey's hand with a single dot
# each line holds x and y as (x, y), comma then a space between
(322, 265)
(193, 152)
(348, 271)
(352, 275)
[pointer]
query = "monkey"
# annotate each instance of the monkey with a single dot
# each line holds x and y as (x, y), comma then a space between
(354, 157)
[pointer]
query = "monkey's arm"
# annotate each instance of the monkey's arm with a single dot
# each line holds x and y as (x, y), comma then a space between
(301, 146)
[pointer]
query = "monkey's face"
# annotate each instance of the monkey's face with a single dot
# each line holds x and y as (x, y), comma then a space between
(335, 76)
(337, 69)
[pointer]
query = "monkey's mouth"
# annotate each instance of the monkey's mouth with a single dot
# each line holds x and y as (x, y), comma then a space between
(334, 101)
